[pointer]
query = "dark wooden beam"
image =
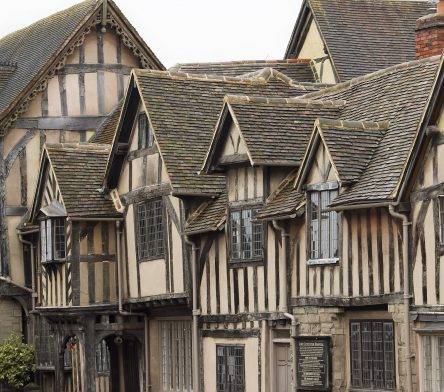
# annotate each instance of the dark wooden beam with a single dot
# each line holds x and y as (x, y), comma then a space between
(69, 123)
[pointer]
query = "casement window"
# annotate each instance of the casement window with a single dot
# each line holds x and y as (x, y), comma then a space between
(323, 225)
(150, 229)
(246, 236)
(441, 219)
(372, 354)
(52, 239)
(175, 342)
(230, 368)
(146, 137)
(432, 363)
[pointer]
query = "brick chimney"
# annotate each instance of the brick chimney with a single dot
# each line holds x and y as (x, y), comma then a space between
(430, 33)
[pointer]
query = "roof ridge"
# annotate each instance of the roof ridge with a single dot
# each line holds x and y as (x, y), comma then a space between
(353, 124)
(239, 62)
(232, 98)
(373, 75)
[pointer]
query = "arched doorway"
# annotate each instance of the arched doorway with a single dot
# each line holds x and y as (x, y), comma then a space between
(73, 363)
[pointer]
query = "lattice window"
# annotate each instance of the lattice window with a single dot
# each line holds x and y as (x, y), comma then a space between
(44, 343)
(176, 362)
(230, 368)
(52, 239)
(441, 219)
(102, 358)
(146, 137)
(323, 225)
(246, 235)
(150, 230)
(433, 363)
(372, 354)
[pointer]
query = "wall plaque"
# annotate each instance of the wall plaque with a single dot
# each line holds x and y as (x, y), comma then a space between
(313, 363)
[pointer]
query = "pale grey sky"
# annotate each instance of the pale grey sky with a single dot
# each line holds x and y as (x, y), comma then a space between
(188, 30)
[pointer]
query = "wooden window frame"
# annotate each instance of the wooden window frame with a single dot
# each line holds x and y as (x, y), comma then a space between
(434, 353)
(145, 138)
(227, 346)
(441, 220)
(320, 188)
(159, 254)
(52, 227)
(361, 321)
(240, 261)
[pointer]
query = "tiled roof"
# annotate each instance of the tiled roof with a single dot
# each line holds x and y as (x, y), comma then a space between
(363, 36)
(297, 69)
(351, 144)
(276, 130)
(210, 216)
(79, 170)
(107, 130)
(284, 201)
(183, 110)
(34, 46)
(399, 95)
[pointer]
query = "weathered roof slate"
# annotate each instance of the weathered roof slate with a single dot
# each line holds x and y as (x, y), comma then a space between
(210, 216)
(107, 130)
(183, 110)
(351, 144)
(363, 36)
(79, 170)
(297, 69)
(400, 95)
(285, 201)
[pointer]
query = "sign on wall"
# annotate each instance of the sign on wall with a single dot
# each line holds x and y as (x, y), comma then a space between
(313, 363)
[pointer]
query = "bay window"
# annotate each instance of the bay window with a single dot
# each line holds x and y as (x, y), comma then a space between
(52, 239)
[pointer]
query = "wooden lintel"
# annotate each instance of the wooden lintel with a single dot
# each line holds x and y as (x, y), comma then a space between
(97, 258)
(93, 68)
(141, 153)
(145, 192)
(230, 333)
(348, 301)
(68, 123)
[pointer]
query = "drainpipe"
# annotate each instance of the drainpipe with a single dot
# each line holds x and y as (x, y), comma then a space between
(293, 334)
(283, 293)
(125, 313)
(196, 314)
(405, 250)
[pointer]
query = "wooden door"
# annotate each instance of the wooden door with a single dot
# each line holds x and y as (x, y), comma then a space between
(282, 369)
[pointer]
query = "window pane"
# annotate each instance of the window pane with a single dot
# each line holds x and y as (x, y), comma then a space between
(333, 251)
(235, 235)
(389, 356)
(230, 368)
(355, 340)
(440, 366)
(48, 240)
(150, 229)
(59, 239)
(441, 218)
(43, 240)
(314, 225)
(427, 362)
(246, 231)
(258, 229)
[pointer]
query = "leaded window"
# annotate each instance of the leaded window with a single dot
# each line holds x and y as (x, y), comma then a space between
(230, 368)
(150, 231)
(176, 355)
(146, 137)
(323, 225)
(52, 239)
(246, 235)
(102, 358)
(441, 219)
(372, 354)
(433, 363)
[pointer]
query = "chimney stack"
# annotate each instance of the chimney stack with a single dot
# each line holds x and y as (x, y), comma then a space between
(430, 33)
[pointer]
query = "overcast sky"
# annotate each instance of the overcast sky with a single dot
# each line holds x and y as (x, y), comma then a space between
(188, 30)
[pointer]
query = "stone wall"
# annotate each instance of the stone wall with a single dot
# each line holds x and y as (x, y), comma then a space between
(11, 317)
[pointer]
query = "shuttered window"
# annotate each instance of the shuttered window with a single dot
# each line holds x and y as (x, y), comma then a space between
(52, 239)
(323, 225)
(176, 355)
(150, 232)
(372, 354)
(246, 236)
(146, 137)
(230, 368)
(433, 363)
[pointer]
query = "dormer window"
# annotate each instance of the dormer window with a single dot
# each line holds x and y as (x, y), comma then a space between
(146, 137)
(52, 239)
(323, 236)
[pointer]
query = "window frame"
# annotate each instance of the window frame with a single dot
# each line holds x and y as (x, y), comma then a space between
(434, 350)
(158, 255)
(240, 261)
(328, 186)
(145, 139)
(226, 346)
(51, 229)
(441, 220)
(361, 321)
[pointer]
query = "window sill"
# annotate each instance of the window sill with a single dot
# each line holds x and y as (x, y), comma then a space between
(320, 262)
(244, 263)
(48, 262)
